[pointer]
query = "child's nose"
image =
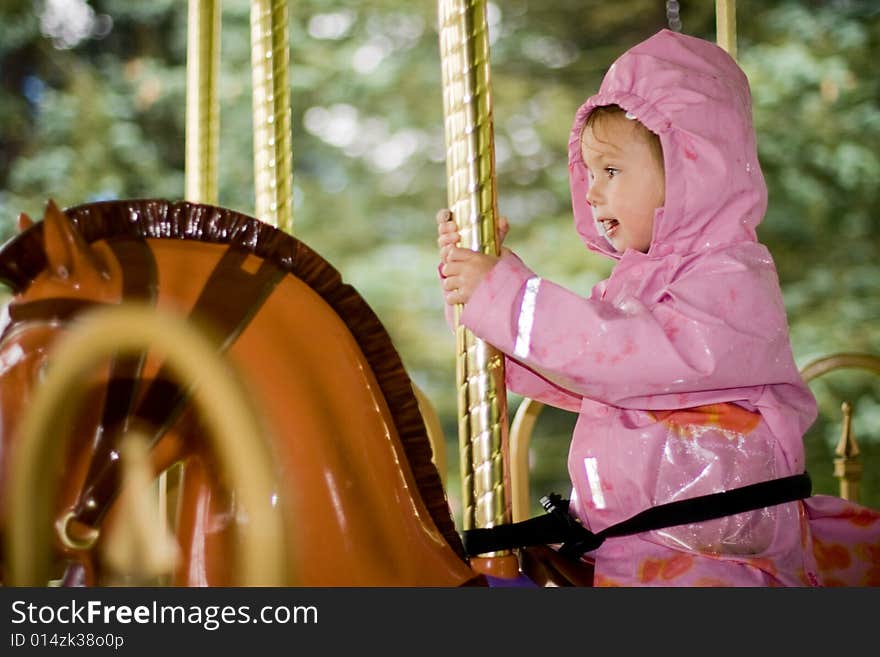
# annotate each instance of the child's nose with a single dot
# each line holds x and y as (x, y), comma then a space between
(593, 195)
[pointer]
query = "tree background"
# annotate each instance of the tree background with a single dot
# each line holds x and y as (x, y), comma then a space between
(93, 106)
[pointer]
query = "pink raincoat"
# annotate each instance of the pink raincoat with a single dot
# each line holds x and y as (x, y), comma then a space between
(679, 364)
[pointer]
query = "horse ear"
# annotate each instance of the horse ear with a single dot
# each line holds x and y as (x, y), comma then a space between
(24, 222)
(67, 252)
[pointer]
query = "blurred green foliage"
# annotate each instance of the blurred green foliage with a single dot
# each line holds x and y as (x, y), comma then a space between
(92, 107)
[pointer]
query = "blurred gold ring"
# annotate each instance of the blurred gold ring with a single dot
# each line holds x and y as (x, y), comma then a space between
(63, 528)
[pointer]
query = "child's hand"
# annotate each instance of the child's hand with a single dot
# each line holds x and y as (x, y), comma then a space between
(463, 271)
(448, 235)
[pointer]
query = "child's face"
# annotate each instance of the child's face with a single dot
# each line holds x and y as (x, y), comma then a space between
(627, 182)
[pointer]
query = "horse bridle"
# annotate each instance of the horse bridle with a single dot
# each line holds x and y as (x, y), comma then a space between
(229, 299)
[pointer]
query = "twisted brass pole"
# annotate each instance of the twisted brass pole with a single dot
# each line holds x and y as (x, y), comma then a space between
(725, 25)
(202, 106)
(470, 168)
(273, 157)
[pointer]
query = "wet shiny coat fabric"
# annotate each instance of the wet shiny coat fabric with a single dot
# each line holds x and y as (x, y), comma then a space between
(679, 364)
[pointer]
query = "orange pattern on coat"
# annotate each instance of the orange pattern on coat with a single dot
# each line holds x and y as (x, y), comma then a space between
(601, 580)
(706, 582)
(724, 416)
(861, 516)
(831, 556)
(665, 569)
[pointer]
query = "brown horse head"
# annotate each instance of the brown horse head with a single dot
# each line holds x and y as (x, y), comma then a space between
(362, 501)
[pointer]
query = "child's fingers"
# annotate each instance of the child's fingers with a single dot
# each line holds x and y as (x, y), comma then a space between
(458, 254)
(451, 254)
(445, 244)
(449, 234)
(451, 268)
(443, 215)
(503, 228)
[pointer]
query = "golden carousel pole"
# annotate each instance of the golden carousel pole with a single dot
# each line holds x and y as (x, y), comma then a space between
(725, 25)
(273, 157)
(471, 195)
(202, 105)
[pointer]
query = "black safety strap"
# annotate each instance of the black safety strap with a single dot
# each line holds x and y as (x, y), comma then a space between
(559, 526)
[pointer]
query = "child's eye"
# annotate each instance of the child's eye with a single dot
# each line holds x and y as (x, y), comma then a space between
(611, 171)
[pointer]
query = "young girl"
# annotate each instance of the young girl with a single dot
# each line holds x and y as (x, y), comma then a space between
(679, 364)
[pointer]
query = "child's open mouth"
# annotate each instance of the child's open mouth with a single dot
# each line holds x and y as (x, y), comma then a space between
(610, 226)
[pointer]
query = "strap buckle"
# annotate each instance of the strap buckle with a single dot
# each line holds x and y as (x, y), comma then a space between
(584, 540)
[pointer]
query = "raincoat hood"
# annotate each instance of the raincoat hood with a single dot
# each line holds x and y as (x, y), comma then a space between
(693, 95)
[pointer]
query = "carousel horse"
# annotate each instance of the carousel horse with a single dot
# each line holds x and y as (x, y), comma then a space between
(360, 497)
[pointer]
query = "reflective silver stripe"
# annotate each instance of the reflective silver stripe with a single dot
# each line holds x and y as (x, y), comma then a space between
(591, 467)
(526, 318)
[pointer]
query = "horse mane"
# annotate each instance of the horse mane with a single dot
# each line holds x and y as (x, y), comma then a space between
(23, 258)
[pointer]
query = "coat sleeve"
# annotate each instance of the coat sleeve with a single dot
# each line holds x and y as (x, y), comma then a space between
(523, 381)
(717, 326)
